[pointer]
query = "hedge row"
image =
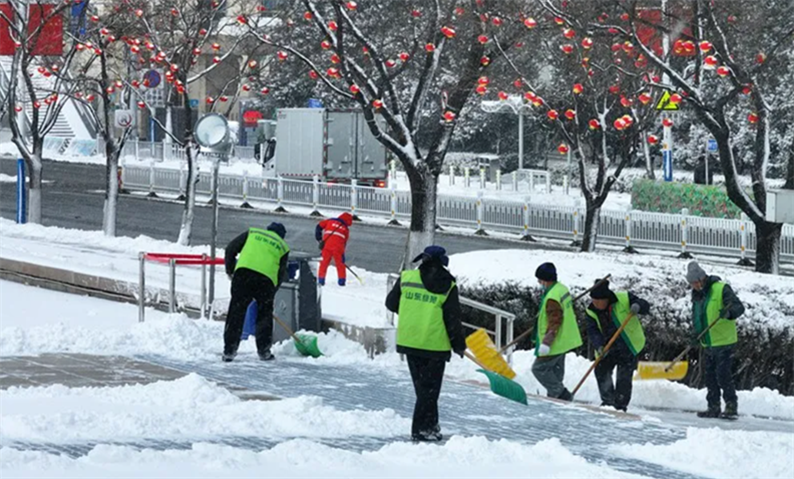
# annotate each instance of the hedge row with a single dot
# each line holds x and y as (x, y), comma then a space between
(763, 355)
(701, 200)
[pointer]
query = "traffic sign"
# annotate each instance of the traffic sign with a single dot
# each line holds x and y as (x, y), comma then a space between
(667, 157)
(194, 103)
(711, 145)
(665, 104)
(153, 76)
(124, 118)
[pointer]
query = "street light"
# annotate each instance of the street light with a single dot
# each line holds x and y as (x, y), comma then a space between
(212, 134)
(517, 105)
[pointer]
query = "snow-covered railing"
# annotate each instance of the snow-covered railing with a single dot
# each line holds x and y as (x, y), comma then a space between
(138, 149)
(629, 228)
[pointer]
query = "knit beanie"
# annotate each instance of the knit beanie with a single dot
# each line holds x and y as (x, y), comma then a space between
(277, 228)
(601, 291)
(434, 252)
(546, 272)
(694, 272)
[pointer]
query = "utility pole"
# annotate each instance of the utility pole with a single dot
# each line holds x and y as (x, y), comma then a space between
(667, 135)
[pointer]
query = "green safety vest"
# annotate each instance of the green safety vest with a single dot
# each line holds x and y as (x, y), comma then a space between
(632, 334)
(706, 311)
(262, 253)
(568, 336)
(421, 323)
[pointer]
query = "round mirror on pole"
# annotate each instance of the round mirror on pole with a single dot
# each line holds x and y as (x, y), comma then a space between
(212, 131)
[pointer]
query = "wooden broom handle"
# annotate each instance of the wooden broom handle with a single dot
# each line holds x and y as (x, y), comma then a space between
(604, 353)
(688, 348)
(287, 329)
(526, 333)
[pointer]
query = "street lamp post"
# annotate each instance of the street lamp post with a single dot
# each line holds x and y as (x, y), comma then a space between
(517, 105)
(212, 134)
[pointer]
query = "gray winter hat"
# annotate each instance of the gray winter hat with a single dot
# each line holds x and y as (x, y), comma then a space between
(694, 272)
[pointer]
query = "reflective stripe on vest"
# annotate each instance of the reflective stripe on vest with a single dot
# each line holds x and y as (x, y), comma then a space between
(421, 317)
(632, 335)
(262, 253)
(724, 332)
(568, 336)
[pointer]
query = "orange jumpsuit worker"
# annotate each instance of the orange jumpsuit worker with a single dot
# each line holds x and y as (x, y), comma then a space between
(333, 234)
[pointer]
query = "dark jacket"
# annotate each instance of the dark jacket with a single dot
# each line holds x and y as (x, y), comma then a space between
(731, 306)
(437, 280)
(236, 245)
(600, 337)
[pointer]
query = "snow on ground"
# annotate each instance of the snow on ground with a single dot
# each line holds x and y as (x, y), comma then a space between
(739, 454)
(7, 178)
(9, 149)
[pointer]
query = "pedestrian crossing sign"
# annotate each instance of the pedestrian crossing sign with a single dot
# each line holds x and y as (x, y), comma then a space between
(665, 103)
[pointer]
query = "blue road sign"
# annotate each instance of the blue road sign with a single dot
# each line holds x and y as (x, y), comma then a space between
(194, 103)
(712, 145)
(667, 158)
(315, 103)
(153, 76)
(21, 206)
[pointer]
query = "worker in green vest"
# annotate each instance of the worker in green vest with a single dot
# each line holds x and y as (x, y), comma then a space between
(429, 326)
(556, 333)
(256, 275)
(605, 314)
(714, 302)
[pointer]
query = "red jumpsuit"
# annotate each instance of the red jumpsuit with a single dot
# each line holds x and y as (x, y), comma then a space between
(335, 233)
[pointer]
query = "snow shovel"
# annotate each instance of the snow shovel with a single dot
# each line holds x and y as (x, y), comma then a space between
(673, 370)
(306, 344)
(354, 274)
(500, 385)
(604, 353)
(486, 353)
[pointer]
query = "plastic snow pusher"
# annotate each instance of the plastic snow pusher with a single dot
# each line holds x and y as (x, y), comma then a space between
(500, 385)
(674, 370)
(306, 344)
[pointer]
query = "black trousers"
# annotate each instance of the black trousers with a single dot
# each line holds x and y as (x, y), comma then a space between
(248, 285)
(618, 394)
(719, 375)
(427, 375)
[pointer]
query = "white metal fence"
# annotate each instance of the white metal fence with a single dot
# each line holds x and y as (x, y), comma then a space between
(675, 232)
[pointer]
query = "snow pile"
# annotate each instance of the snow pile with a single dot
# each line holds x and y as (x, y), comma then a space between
(721, 454)
(459, 457)
(190, 406)
(769, 299)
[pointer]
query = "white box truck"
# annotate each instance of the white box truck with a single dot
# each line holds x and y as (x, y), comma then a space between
(336, 145)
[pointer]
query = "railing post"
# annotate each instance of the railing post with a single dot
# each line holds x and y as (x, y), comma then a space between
(531, 182)
(393, 205)
(498, 179)
(164, 144)
(744, 261)
(526, 236)
(172, 285)
(482, 178)
(515, 180)
(280, 195)
(466, 177)
(451, 175)
(137, 154)
(576, 219)
(151, 194)
(548, 183)
(684, 227)
(565, 183)
(354, 198)
(203, 285)
(479, 214)
(245, 203)
(141, 286)
(628, 228)
(393, 170)
(510, 321)
(182, 183)
(498, 332)
(315, 195)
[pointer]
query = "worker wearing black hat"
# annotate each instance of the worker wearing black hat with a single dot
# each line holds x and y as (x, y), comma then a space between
(555, 334)
(256, 275)
(605, 314)
(429, 326)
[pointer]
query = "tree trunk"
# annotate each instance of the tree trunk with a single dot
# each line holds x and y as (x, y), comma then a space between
(112, 154)
(790, 169)
(423, 211)
(34, 190)
(646, 150)
(186, 230)
(767, 250)
(591, 222)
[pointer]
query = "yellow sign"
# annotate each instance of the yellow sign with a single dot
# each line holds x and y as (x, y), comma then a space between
(665, 103)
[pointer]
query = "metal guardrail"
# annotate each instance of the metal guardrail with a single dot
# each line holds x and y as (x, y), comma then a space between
(501, 317)
(671, 232)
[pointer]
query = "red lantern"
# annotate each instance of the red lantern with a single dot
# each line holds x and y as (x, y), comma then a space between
(17, 108)
(497, 22)
(332, 72)
(568, 33)
(483, 80)
(224, 98)
(723, 71)
(94, 18)
(705, 46)
(119, 84)
(203, 32)
(570, 114)
(365, 50)
(587, 43)
(518, 83)
(404, 56)
(246, 87)
(216, 46)
(625, 102)
(752, 118)
(503, 96)
(307, 15)
(624, 17)
(448, 32)
(559, 21)
(628, 120)
(530, 23)
(210, 100)
(537, 101)
(282, 55)
(616, 47)
(481, 89)
(139, 13)
(594, 124)
(265, 90)
(619, 124)
(416, 13)
(675, 98)
(351, 5)
(645, 98)
(135, 83)
(332, 26)
(563, 148)
(710, 62)
(459, 11)
(354, 89)
(313, 75)
(485, 61)
(141, 105)
(216, 59)
(653, 139)
(530, 96)
(377, 104)
(567, 48)
(335, 59)
(430, 48)
(90, 97)
(668, 123)
(241, 19)
(110, 90)
(760, 58)
(614, 89)
(325, 44)
(390, 63)
(252, 64)
(732, 19)
(552, 114)
(449, 116)
(577, 88)
(483, 39)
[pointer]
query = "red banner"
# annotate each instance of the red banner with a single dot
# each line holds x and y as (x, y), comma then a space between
(48, 40)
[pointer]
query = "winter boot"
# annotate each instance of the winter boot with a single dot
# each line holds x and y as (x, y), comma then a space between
(341, 281)
(266, 355)
(711, 412)
(565, 395)
(731, 411)
(228, 357)
(321, 281)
